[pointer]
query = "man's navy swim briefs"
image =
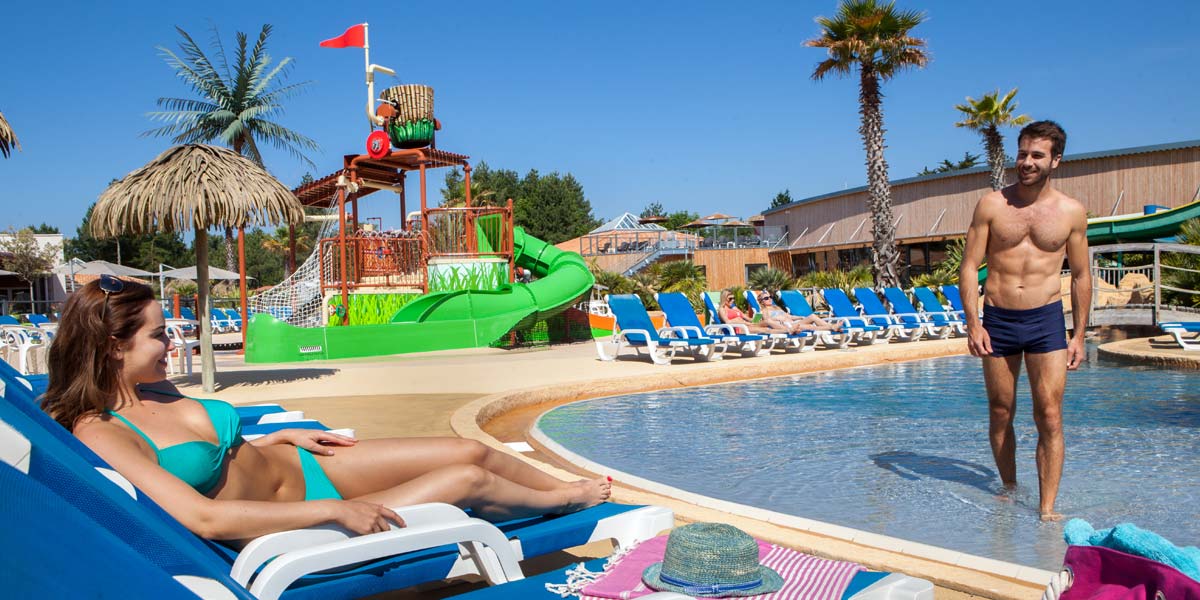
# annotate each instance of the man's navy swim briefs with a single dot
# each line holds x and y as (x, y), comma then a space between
(1036, 330)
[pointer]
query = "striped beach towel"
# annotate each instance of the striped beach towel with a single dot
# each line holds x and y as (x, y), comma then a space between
(804, 576)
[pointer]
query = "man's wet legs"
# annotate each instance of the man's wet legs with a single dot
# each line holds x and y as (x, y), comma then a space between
(1048, 380)
(1000, 377)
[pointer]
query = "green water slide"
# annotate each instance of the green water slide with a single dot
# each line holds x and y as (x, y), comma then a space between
(1140, 228)
(438, 321)
(1134, 228)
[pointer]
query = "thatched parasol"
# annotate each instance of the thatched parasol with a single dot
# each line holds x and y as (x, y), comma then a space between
(8, 139)
(653, 219)
(195, 187)
(697, 224)
(717, 217)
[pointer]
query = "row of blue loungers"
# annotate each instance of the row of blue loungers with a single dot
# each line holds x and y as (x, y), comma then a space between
(871, 320)
(57, 489)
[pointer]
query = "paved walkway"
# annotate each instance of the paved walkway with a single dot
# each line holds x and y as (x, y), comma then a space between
(443, 393)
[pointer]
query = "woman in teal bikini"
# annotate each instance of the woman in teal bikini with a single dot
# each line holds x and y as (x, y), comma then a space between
(188, 454)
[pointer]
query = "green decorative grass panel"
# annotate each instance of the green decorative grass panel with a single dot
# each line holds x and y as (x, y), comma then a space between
(467, 276)
(369, 309)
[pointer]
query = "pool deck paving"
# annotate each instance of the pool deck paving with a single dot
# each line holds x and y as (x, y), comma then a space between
(494, 396)
(1161, 351)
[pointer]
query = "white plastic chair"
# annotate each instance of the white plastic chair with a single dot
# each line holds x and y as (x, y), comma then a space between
(183, 350)
(23, 339)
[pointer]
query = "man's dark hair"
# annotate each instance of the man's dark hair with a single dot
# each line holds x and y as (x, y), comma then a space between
(1046, 130)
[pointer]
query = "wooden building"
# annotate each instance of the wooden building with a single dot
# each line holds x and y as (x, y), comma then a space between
(834, 230)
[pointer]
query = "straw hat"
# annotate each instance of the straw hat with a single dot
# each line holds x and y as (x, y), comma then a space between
(711, 560)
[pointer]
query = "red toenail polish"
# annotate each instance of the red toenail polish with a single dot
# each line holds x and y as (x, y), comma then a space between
(610, 477)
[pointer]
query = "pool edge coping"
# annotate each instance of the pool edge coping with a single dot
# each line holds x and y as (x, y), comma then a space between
(947, 568)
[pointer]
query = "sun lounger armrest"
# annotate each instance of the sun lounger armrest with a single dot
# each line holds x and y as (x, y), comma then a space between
(263, 549)
(287, 416)
(287, 568)
(727, 329)
(675, 332)
(625, 333)
(689, 331)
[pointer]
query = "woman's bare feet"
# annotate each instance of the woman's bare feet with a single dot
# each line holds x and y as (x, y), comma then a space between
(585, 493)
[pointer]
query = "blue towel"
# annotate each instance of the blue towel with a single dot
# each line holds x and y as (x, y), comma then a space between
(1131, 539)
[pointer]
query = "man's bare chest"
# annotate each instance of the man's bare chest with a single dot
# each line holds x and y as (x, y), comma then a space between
(1047, 230)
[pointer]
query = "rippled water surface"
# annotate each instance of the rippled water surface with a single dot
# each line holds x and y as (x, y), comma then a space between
(902, 450)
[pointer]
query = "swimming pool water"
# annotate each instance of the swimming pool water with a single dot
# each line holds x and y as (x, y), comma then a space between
(902, 450)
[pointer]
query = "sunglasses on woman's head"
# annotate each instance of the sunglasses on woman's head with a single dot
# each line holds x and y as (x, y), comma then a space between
(110, 285)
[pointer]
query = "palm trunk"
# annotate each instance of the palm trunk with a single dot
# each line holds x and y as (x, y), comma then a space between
(884, 255)
(230, 259)
(994, 143)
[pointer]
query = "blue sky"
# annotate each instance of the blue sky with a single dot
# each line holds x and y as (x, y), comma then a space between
(703, 106)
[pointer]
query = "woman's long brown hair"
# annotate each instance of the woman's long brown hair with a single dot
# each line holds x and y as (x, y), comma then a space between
(83, 373)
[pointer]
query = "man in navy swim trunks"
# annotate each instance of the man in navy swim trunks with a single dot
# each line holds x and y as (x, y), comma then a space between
(1023, 232)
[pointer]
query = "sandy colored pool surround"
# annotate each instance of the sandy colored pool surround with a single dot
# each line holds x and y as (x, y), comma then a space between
(1160, 351)
(484, 390)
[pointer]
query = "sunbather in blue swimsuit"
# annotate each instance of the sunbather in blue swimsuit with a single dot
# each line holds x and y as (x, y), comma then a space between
(200, 463)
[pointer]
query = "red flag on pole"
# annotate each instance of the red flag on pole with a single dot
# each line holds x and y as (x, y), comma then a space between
(355, 37)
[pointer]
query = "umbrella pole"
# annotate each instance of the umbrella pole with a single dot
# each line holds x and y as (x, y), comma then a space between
(208, 363)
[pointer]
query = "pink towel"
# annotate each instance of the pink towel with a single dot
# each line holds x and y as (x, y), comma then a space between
(804, 576)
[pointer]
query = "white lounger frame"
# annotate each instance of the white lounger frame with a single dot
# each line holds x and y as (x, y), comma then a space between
(1180, 334)
(673, 337)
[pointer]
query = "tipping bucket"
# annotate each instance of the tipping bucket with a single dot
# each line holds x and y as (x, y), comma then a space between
(412, 126)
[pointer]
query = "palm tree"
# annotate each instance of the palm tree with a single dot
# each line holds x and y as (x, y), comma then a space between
(874, 37)
(235, 105)
(480, 196)
(987, 115)
(279, 244)
(771, 279)
(686, 277)
(8, 139)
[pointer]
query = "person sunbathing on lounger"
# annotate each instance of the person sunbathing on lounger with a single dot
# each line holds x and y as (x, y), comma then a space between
(794, 323)
(732, 315)
(189, 456)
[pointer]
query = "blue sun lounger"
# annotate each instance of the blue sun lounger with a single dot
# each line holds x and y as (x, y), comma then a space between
(793, 341)
(904, 327)
(636, 330)
(714, 316)
(953, 296)
(938, 314)
(680, 313)
(440, 540)
(1180, 330)
(844, 309)
(795, 303)
(37, 565)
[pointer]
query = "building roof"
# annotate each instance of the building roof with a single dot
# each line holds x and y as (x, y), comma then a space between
(627, 222)
(985, 169)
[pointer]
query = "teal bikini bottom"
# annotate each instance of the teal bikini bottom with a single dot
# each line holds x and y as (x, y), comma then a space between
(316, 484)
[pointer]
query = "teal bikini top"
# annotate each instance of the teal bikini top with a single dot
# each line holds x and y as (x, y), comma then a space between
(199, 463)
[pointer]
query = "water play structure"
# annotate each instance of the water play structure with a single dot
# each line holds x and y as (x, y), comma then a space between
(444, 280)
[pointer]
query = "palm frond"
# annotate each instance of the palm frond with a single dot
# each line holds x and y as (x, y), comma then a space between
(8, 138)
(220, 46)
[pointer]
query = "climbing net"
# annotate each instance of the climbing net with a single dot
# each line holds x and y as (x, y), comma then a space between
(297, 300)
